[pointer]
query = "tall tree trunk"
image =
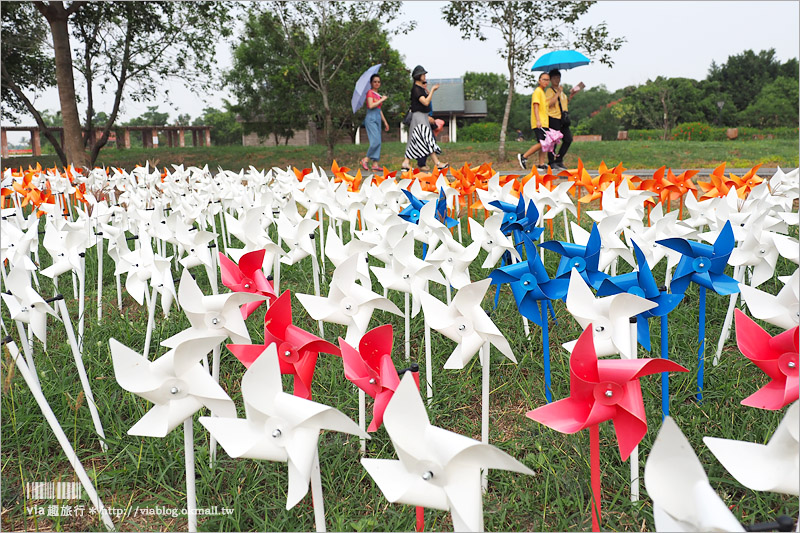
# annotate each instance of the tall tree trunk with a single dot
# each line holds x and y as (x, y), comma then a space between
(501, 152)
(328, 123)
(57, 17)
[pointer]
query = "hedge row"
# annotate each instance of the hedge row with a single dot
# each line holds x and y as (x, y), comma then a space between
(698, 131)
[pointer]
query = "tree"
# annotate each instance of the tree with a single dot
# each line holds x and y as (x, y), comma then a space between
(526, 28)
(661, 104)
(585, 102)
(151, 117)
(490, 87)
(225, 130)
(183, 119)
(775, 106)
(272, 97)
(320, 36)
(129, 49)
(743, 76)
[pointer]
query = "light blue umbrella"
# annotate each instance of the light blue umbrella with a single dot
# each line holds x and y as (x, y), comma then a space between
(362, 86)
(560, 59)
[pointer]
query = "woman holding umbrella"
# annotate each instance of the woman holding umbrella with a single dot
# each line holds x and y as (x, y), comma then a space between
(373, 123)
(421, 142)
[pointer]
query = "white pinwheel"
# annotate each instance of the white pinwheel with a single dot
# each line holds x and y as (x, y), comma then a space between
(758, 250)
(347, 303)
(194, 244)
(338, 253)
(429, 230)
(407, 273)
(783, 309)
(558, 200)
(771, 467)
(494, 192)
(454, 260)
(65, 242)
(215, 314)
(609, 317)
(297, 236)
(621, 201)
(18, 238)
(492, 240)
(683, 499)
(389, 236)
(25, 304)
(611, 246)
(436, 468)
(465, 322)
(278, 426)
(250, 229)
(662, 226)
(175, 382)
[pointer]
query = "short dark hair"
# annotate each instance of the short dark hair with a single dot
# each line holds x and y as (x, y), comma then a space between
(372, 78)
(542, 74)
(555, 72)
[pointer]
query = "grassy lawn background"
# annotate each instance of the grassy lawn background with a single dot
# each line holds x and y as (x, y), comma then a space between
(633, 154)
(149, 472)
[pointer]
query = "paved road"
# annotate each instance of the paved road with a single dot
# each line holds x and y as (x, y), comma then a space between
(645, 173)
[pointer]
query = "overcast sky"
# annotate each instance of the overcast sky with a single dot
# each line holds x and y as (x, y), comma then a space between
(667, 38)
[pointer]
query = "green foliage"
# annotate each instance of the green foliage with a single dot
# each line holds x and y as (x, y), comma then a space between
(587, 101)
(776, 105)
(744, 75)
(692, 131)
(604, 123)
(27, 61)
(225, 129)
(490, 87)
(480, 132)
(151, 117)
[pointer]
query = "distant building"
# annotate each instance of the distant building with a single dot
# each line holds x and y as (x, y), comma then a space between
(448, 104)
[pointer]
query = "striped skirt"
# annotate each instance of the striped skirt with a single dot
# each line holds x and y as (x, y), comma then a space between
(421, 142)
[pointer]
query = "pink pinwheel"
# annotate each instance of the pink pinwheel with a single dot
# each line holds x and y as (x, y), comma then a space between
(297, 349)
(371, 369)
(776, 356)
(603, 390)
(247, 276)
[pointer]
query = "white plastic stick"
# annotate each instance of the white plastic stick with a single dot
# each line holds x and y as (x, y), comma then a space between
(81, 302)
(428, 363)
(212, 445)
(726, 326)
(321, 242)
(152, 298)
(408, 327)
(61, 437)
(119, 292)
(191, 495)
(87, 389)
(315, 273)
(362, 415)
(276, 270)
(485, 363)
(99, 246)
(449, 292)
(27, 347)
(566, 227)
(316, 494)
(635, 453)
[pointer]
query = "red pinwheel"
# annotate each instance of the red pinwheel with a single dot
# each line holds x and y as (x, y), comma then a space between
(297, 349)
(776, 356)
(247, 276)
(371, 369)
(601, 390)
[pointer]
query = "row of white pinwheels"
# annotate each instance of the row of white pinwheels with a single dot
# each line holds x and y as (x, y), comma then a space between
(194, 195)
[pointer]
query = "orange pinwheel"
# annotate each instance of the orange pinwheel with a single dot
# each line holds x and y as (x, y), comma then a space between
(657, 185)
(746, 183)
(595, 186)
(300, 174)
(718, 185)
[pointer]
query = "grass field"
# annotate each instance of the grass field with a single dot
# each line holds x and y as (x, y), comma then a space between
(144, 472)
(633, 154)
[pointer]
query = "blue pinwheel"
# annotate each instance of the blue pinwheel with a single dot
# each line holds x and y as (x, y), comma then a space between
(584, 259)
(703, 264)
(519, 220)
(533, 290)
(411, 211)
(441, 211)
(643, 284)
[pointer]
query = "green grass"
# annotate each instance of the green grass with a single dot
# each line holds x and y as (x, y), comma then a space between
(146, 472)
(633, 154)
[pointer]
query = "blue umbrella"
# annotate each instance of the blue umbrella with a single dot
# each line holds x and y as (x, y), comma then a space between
(560, 59)
(362, 86)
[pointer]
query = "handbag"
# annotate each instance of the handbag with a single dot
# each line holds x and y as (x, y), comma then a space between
(407, 120)
(565, 121)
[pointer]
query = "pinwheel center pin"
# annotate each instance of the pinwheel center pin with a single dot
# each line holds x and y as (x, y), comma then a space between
(176, 388)
(349, 306)
(762, 251)
(288, 353)
(216, 321)
(701, 264)
(528, 281)
(608, 393)
(246, 285)
(579, 264)
(465, 328)
(427, 475)
(490, 242)
(788, 364)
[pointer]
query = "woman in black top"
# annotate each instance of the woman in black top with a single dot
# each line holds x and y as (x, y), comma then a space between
(421, 142)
